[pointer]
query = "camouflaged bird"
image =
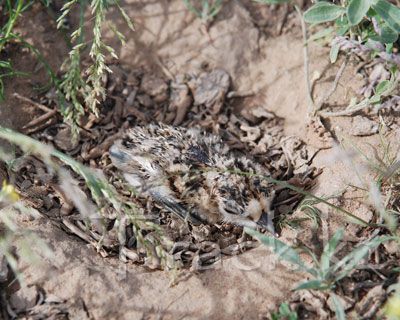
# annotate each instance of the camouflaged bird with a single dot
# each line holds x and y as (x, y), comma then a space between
(192, 174)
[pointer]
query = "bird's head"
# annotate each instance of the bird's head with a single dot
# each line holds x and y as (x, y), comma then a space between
(245, 203)
(119, 155)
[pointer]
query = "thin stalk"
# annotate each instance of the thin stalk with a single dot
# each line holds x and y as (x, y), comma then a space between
(334, 85)
(311, 105)
(11, 22)
(346, 112)
(41, 58)
(83, 5)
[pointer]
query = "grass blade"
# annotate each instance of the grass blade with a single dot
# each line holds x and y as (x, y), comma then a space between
(339, 310)
(329, 250)
(281, 249)
(312, 285)
(350, 262)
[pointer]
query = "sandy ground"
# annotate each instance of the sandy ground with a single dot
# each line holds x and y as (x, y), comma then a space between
(167, 37)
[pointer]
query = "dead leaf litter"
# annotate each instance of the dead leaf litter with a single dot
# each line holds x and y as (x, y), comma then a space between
(189, 100)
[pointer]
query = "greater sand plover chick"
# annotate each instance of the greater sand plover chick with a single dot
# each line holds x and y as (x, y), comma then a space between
(194, 175)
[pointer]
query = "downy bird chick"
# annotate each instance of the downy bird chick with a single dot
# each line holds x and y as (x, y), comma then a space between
(194, 175)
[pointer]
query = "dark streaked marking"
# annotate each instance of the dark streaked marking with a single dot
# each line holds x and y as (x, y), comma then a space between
(198, 154)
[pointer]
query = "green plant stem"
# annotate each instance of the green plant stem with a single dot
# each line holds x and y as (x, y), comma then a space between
(311, 105)
(334, 86)
(102, 192)
(346, 112)
(11, 23)
(40, 57)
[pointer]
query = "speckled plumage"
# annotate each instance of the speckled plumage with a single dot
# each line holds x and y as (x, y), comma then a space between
(191, 174)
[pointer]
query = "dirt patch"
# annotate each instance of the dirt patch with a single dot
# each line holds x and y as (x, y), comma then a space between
(135, 99)
(14, 113)
(268, 92)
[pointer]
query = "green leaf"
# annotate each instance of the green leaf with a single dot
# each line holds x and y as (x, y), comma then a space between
(356, 10)
(389, 12)
(284, 310)
(281, 249)
(324, 33)
(388, 35)
(350, 262)
(312, 284)
(342, 25)
(339, 310)
(329, 250)
(5, 64)
(333, 54)
(323, 12)
(371, 12)
(382, 87)
(376, 98)
(191, 8)
(284, 313)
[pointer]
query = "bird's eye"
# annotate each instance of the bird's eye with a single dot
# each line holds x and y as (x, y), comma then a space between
(229, 210)
(231, 207)
(128, 143)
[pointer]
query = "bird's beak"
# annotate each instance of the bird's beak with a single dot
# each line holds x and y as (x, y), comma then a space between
(116, 153)
(265, 222)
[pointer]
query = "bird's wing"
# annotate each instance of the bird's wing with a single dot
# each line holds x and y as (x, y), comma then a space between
(163, 196)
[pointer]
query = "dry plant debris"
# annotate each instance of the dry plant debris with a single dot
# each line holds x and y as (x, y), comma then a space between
(190, 100)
